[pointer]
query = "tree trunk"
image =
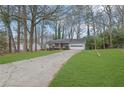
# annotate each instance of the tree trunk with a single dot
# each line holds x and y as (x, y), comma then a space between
(10, 44)
(78, 28)
(59, 31)
(63, 32)
(103, 38)
(31, 37)
(88, 30)
(56, 35)
(10, 31)
(70, 33)
(109, 13)
(19, 24)
(123, 16)
(35, 39)
(95, 47)
(33, 20)
(42, 32)
(110, 32)
(94, 30)
(11, 35)
(78, 32)
(25, 28)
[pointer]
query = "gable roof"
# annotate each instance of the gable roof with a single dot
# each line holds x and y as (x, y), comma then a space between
(77, 41)
(70, 41)
(58, 41)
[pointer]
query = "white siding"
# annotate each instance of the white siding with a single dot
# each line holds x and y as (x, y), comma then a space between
(77, 46)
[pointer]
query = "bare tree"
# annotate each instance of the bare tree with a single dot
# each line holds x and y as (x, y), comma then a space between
(108, 11)
(6, 13)
(25, 27)
(94, 28)
(35, 38)
(19, 27)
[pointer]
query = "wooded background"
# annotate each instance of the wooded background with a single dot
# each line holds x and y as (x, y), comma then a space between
(102, 26)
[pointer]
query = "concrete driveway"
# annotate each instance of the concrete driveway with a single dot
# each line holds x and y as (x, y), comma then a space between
(36, 72)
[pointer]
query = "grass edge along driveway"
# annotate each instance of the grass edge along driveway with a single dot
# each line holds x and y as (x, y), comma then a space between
(86, 69)
(9, 58)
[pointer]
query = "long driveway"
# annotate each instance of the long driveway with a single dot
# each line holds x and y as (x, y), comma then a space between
(36, 72)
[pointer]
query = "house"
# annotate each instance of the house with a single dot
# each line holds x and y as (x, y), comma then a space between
(66, 44)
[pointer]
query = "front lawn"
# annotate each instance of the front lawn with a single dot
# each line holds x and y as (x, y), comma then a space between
(23, 55)
(86, 69)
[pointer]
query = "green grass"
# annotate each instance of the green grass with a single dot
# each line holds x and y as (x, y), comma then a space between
(23, 55)
(86, 69)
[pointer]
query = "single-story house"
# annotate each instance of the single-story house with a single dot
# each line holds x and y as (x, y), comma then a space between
(66, 44)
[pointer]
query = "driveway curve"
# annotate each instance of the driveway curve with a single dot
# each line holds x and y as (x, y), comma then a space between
(36, 72)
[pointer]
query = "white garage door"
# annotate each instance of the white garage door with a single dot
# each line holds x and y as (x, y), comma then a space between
(77, 46)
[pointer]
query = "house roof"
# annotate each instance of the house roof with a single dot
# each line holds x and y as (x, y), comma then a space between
(77, 41)
(71, 41)
(58, 41)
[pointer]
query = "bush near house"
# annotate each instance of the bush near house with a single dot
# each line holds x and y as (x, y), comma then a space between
(102, 40)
